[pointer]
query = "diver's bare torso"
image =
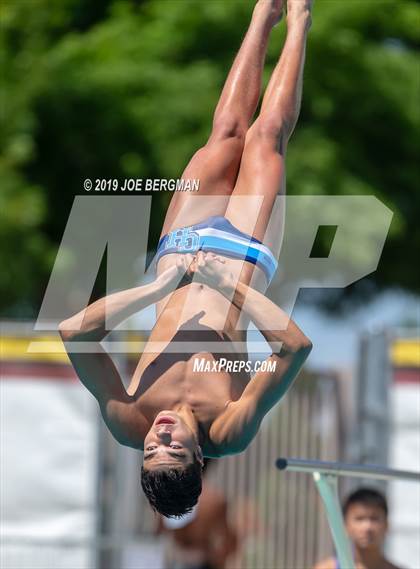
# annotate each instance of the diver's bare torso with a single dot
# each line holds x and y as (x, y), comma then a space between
(166, 375)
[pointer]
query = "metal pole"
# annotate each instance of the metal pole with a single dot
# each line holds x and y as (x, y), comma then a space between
(328, 490)
(343, 469)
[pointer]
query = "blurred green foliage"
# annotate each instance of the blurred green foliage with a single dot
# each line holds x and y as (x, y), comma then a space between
(125, 88)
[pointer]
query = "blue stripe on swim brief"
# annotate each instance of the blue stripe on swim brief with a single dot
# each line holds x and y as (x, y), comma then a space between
(229, 242)
(240, 251)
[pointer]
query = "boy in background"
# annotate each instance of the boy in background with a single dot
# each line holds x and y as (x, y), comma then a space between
(366, 519)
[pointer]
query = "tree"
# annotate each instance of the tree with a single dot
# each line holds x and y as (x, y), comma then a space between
(127, 89)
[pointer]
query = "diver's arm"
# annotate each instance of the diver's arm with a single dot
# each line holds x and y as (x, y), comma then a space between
(234, 430)
(289, 345)
(82, 334)
(280, 331)
(95, 321)
(275, 325)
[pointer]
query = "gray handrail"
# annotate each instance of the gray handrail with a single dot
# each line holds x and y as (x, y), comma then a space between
(344, 469)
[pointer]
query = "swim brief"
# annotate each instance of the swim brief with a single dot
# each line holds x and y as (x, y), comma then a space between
(217, 234)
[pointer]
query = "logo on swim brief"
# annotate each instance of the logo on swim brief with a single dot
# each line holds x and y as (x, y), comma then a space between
(183, 239)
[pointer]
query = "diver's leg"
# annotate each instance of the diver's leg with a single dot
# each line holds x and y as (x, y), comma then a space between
(262, 172)
(216, 164)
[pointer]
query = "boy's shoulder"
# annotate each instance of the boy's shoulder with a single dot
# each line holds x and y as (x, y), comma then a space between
(330, 563)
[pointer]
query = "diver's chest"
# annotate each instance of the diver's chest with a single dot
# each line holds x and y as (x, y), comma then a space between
(206, 380)
(203, 385)
(196, 382)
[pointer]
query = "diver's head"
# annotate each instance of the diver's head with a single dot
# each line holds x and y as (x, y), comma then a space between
(172, 465)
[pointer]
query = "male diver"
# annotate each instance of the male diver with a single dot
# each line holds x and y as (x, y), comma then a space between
(213, 265)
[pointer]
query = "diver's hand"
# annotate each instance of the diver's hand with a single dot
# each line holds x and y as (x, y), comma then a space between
(180, 274)
(208, 268)
(173, 277)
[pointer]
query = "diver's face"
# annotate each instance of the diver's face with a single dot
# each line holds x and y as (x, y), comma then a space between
(169, 443)
(366, 525)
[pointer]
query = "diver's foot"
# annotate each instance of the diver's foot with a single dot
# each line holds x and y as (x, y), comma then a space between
(299, 10)
(272, 10)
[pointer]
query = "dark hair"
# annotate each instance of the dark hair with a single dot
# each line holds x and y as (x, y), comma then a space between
(173, 492)
(368, 497)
